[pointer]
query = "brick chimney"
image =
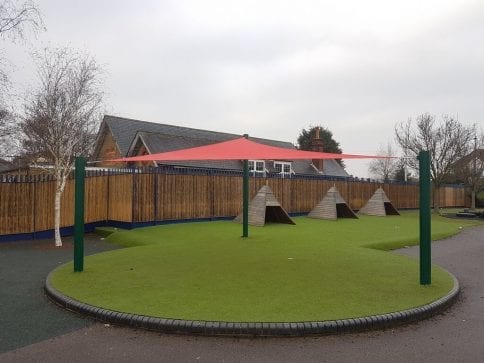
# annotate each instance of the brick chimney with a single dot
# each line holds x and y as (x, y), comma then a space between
(317, 145)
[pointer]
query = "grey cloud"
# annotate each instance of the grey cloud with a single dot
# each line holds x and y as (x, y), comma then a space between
(165, 66)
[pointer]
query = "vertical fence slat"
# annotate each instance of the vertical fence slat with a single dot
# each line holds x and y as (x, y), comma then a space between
(26, 205)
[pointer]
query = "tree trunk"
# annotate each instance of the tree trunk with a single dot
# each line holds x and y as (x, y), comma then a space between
(436, 198)
(57, 207)
(473, 199)
(60, 183)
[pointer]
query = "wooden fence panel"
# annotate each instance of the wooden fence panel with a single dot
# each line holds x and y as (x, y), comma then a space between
(96, 199)
(44, 206)
(144, 197)
(352, 193)
(16, 202)
(178, 197)
(360, 193)
(296, 198)
(67, 204)
(451, 197)
(140, 197)
(120, 201)
(286, 192)
(160, 186)
(202, 198)
(227, 195)
(299, 197)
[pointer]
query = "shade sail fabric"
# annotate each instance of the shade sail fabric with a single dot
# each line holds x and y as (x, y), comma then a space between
(240, 149)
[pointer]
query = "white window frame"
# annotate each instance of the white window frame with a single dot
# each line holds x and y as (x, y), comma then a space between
(283, 164)
(253, 167)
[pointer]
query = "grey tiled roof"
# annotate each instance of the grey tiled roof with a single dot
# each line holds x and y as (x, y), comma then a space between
(162, 137)
(158, 143)
(124, 130)
(477, 154)
(6, 166)
(331, 167)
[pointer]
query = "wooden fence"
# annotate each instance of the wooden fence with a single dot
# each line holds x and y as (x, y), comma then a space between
(26, 206)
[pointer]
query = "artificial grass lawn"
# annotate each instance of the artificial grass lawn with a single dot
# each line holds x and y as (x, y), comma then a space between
(315, 270)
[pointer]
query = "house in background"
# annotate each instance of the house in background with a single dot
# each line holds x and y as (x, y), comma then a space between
(469, 170)
(6, 166)
(471, 160)
(18, 166)
(121, 137)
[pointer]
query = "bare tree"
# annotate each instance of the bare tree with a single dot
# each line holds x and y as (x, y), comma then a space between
(446, 142)
(470, 169)
(7, 130)
(402, 174)
(61, 117)
(16, 20)
(384, 169)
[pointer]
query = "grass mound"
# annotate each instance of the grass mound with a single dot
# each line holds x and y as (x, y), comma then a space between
(315, 270)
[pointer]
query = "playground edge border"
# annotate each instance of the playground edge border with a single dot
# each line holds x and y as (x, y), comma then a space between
(251, 329)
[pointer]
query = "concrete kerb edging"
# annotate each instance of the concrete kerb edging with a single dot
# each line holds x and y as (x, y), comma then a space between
(255, 329)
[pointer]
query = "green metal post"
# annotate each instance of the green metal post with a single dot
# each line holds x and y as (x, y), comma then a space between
(80, 166)
(425, 228)
(245, 194)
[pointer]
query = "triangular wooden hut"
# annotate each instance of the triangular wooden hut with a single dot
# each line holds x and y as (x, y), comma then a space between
(265, 208)
(379, 205)
(332, 206)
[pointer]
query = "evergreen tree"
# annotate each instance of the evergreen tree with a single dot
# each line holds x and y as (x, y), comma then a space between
(329, 144)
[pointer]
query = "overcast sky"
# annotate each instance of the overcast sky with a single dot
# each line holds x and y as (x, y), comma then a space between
(271, 68)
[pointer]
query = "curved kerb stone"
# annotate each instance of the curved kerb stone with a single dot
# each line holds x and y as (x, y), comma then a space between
(201, 327)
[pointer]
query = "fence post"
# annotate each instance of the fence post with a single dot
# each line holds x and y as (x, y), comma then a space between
(79, 214)
(245, 194)
(425, 228)
(133, 197)
(155, 195)
(107, 195)
(211, 187)
(34, 189)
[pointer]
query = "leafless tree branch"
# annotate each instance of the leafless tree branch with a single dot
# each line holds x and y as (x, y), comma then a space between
(470, 169)
(18, 18)
(384, 169)
(447, 141)
(61, 118)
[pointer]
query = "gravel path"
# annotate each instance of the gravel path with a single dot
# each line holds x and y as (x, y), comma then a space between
(456, 335)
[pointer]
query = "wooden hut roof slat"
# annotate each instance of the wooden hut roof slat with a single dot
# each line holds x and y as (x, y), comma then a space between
(264, 207)
(379, 205)
(332, 207)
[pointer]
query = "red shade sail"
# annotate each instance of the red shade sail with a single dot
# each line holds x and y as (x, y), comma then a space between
(241, 149)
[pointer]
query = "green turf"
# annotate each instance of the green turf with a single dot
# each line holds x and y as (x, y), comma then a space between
(105, 231)
(315, 270)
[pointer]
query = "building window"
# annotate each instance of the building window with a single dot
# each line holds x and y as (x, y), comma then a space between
(257, 167)
(283, 168)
